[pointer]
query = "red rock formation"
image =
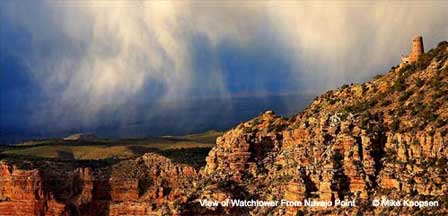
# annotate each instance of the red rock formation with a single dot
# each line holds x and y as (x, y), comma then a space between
(237, 149)
(22, 193)
(295, 192)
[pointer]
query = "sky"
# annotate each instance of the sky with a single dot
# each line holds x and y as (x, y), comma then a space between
(67, 64)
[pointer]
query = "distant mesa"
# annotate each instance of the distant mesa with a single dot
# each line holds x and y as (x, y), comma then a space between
(417, 51)
(80, 137)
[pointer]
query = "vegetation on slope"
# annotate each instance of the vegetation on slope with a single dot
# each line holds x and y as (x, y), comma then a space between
(410, 97)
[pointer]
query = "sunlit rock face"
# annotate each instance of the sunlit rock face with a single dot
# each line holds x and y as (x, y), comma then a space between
(144, 186)
(238, 151)
(358, 142)
(22, 193)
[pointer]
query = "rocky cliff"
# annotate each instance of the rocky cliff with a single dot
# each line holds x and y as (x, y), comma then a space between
(22, 193)
(148, 185)
(386, 137)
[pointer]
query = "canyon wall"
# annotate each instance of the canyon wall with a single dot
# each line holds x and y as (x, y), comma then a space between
(91, 192)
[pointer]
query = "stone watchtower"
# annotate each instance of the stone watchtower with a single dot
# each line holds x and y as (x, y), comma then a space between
(417, 51)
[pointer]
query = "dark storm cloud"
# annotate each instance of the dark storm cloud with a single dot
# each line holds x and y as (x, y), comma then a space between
(88, 56)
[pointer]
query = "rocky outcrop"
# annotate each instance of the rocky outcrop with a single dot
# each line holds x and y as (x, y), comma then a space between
(238, 151)
(358, 142)
(148, 185)
(420, 160)
(22, 193)
(295, 191)
(80, 137)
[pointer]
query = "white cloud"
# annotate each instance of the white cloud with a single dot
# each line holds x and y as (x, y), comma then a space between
(105, 52)
(339, 41)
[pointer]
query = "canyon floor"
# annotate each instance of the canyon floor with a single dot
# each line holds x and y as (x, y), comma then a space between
(191, 149)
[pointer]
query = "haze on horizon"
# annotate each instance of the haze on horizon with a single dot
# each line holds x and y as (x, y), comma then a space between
(65, 64)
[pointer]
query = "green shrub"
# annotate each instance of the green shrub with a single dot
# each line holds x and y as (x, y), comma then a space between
(364, 88)
(442, 44)
(400, 82)
(441, 162)
(390, 112)
(386, 103)
(400, 110)
(419, 82)
(444, 132)
(337, 156)
(441, 122)
(395, 125)
(363, 122)
(424, 60)
(378, 76)
(432, 117)
(436, 84)
(372, 102)
(437, 94)
(405, 96)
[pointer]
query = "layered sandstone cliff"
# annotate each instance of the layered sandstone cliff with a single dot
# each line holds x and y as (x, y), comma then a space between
(386, 137)
(148, 185)
(22, 193)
